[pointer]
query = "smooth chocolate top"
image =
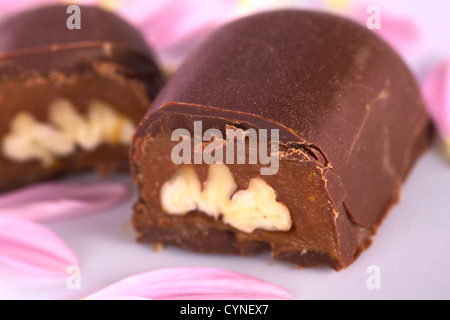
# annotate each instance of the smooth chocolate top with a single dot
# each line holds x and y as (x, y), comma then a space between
(334, 87)
(46, 26)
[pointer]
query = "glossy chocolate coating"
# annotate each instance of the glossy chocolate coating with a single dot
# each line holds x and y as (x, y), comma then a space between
(42, 60)
(351, 119)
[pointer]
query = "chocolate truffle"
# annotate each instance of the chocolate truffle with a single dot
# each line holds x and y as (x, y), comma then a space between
(70, 98)
(337, 110)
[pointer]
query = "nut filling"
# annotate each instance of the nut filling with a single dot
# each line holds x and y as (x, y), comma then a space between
(246, 210)
(28, 139)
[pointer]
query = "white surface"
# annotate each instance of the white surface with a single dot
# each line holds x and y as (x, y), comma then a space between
(411, 247)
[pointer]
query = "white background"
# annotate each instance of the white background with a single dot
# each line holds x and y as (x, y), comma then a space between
(411, 248)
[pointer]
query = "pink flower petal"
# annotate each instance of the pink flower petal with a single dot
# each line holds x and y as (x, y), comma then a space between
(58, 200)
(31, 247)
(192, 284)
(174, 27)
(402, 32)
(436, 90)
(167, 23)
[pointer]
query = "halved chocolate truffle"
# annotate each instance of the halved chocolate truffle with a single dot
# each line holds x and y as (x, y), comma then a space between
(346, 123)
(70, 98)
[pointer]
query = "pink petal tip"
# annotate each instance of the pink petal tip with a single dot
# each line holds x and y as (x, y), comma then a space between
(436, 90)
(58, 200)
(192, 284)
(31, 247)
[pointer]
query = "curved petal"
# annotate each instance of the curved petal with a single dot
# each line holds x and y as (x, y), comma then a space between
(31, 247)
(168, 23)
(436, 90)
(192, 284)
(56, 200)
(401, 31)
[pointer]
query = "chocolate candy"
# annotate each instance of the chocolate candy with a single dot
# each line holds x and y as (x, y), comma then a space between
(71, 98)
(350, 123)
